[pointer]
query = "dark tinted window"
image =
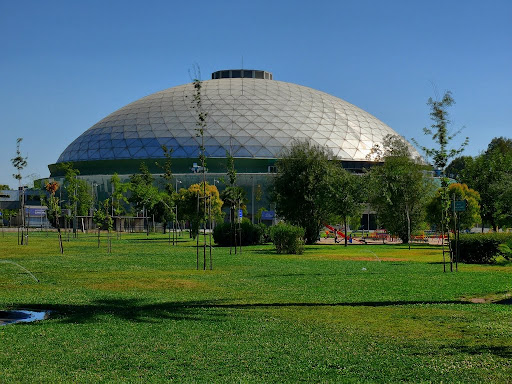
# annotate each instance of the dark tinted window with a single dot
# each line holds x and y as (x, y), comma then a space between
(248, 74)
(258, 74)
(225, 74)
(236, 74)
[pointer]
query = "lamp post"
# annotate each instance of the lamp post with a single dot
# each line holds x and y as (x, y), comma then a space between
(176, 212)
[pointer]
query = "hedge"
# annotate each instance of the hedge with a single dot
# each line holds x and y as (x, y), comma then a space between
(251, 234)
(288, 238)
(484, 248)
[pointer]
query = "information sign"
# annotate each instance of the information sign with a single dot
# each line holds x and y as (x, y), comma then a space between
(460, 205)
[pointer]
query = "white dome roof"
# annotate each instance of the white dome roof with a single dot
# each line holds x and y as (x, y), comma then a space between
(250, 118)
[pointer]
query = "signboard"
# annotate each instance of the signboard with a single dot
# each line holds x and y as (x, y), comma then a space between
(460, 205)
(240, 214)
(35, 212)
(268, 215)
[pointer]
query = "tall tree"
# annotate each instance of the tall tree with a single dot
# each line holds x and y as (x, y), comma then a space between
(201, 116)
(19, 162)
(54, 210)
(399, 189)
(491, 175)
(118, 197)
(166, 206)
(301, 188)
(144, 195)
(79, 198)
(347, 195)
(442, 153)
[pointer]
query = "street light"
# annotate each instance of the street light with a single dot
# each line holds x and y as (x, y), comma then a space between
(176, 210)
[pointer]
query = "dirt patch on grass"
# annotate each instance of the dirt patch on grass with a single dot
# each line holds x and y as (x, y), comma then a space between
(148, 284)
(497, 298)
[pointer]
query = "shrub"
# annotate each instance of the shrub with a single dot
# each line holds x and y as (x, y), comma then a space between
(288, 238)
(483, 248)
(251, 234)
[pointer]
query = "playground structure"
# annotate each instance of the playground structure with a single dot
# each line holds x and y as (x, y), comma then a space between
(382, 236)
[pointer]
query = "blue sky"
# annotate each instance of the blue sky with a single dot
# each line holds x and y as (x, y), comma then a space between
(64, 65)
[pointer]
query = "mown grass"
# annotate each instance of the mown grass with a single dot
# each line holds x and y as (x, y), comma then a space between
(334, 314)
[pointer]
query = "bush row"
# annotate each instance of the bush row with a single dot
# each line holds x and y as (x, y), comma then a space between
(223, 233)
(484, 248)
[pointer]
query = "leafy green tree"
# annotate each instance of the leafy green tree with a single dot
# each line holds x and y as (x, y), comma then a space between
(458, 166)
(103, 220)
(119, 192)
(165, 208)
(144, 195)
(4, 187)
(54, 210)
(79, 198)
(442, 153)
(347, 195)
(399, 189)
(302, 188)
(490, 174)
(466, 219)
(190, 206)
(19, 162)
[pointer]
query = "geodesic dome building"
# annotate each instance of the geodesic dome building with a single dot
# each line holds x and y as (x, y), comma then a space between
(250, 116)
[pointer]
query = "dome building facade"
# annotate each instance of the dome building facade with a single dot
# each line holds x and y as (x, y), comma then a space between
(249, 115)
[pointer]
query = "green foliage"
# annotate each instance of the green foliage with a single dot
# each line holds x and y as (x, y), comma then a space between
(143, 193)
(441, 153)
(201, 117)
(466, 219)
(288, 238)
(7, 214)
(484, 248)
(456, 169)
(251, 233)
(399, 189)
(77, 191)
(164, 208)
(348, 193)
(119, 191)
(491, 175)
(19, 162)
(102, 217)
(302, 188)
(53, 212)
(231, 170)
(191, 205)
(4, 187)
(439, 132)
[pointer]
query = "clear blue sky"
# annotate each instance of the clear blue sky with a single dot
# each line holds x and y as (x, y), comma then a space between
(64, 65)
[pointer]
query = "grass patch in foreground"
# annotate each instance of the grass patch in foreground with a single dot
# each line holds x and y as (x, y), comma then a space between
(143, 313)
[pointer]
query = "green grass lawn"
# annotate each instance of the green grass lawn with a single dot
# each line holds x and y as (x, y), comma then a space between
(365, 313)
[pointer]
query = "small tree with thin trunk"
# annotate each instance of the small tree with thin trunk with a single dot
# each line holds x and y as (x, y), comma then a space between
(20, 162)
(53, 211)
(441, 154)
(201, 115)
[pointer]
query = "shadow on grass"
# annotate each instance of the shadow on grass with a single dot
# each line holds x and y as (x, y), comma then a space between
(138, 311)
